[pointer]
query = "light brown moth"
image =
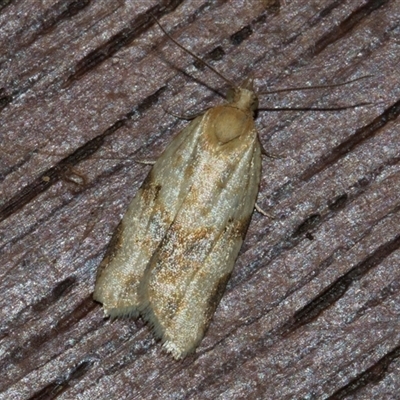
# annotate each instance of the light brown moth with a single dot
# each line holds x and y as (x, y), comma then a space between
(174, 250)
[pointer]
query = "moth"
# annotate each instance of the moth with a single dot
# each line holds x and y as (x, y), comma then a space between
(174, 250)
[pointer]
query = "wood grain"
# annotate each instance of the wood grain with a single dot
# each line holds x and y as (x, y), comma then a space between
(88, 88)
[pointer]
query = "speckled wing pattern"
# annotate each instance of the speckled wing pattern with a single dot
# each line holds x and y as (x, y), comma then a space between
(176, 246)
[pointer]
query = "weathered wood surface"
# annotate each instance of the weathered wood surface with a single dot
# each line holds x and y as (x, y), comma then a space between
(312, 309)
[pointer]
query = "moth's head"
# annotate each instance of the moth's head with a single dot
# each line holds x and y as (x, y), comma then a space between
(243, 96)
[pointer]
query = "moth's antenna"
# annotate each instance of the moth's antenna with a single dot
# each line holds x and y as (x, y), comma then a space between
(339, 108)
(196, 57)
(317, 86)
(193, 54)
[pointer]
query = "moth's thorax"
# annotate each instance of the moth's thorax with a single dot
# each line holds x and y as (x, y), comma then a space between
(227, 123)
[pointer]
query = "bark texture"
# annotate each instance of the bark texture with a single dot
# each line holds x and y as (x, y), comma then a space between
(88, 88)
